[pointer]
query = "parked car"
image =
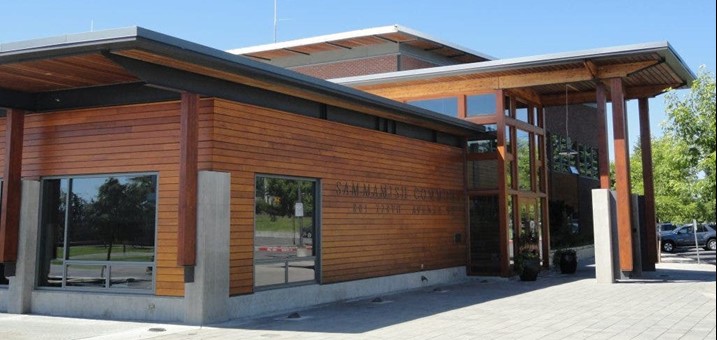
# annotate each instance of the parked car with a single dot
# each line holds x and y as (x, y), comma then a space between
(684, 237)
(663, 228)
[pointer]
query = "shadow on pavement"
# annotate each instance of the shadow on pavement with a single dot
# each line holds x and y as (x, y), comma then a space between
(365, 315)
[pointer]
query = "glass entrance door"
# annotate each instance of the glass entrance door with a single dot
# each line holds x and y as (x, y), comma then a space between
(484, 236)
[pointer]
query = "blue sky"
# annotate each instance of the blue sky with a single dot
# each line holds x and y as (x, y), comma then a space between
(502, 29)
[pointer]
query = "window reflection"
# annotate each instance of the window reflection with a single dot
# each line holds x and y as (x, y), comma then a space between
(285, 236)
(481, 104)
(89, 223)
(446, 106)
(523, 159)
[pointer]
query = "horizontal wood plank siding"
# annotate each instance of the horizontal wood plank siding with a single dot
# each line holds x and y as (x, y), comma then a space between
(121, 139)
(250, 140)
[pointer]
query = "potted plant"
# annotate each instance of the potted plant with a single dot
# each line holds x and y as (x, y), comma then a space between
(527, 264)
(566, 260)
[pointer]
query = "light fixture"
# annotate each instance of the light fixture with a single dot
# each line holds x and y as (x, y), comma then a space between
(568, 149)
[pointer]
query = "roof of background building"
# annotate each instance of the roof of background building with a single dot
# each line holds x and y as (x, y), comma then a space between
(364, 37)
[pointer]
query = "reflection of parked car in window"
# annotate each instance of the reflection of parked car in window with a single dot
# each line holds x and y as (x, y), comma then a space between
(307, 232)
(684, 237)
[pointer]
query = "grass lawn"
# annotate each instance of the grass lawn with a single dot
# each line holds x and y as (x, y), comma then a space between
(282, 223)
(119, 253)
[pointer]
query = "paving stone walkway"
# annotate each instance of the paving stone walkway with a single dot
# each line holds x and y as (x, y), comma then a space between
(675, 302)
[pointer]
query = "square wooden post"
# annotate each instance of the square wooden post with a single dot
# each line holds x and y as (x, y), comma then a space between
(603, 148)
(648, 183)
(622, 175)
(187, 214)
(11, 191)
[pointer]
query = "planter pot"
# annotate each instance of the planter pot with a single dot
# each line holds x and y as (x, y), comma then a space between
(530, 271)
(568, 264)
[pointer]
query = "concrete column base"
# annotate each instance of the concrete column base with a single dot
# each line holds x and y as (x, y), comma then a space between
(20, 286)
(206, 299)
(607, 265)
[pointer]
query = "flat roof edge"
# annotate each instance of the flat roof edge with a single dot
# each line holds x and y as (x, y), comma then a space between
(516, 63)
(155, 42)
(72, 39)
(353, 34)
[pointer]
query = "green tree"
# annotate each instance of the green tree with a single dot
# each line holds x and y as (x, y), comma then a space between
(676, 180)
(691, 119)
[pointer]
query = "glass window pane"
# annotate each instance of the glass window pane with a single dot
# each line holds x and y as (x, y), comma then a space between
(488, 143)
(506, 107)
(523, 158)
(446, 106)
(508, 140)
(481, 104)
(108, 219)
(485, 240)
(300, 271)
(86, 275)
(285, 232)
(521, 111)
(131, 277)
(52, 223)
(509, 174)
(483, 174)
(112, 219)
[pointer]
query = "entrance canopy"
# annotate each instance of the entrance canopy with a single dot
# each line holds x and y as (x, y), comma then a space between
(646, 70)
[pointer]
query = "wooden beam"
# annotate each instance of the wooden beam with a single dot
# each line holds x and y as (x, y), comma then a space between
(622, 175)
(591, 67)
(623, 70)
(12, 185)
(188, 148)
(603, 148)
(648, 182)
(649, 91)
(572, 75)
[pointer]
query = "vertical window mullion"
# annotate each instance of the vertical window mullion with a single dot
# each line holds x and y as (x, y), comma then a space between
(65, 248)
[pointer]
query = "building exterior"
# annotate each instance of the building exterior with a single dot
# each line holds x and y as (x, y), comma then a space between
(147, 177)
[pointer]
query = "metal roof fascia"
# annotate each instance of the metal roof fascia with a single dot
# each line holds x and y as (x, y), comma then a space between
(510, 64)
(138, 37)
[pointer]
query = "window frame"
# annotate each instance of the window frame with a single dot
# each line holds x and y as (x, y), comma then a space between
(317, 236)
(106, 288)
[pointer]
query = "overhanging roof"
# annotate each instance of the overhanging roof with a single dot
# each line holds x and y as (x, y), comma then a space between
(364, 37)
(652, 65)
(36, 74)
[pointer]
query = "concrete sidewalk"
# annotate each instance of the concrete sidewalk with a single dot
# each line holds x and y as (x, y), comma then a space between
(675, 302)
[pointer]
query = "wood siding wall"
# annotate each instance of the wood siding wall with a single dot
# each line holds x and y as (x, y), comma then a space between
(354, 245)
(122, 139)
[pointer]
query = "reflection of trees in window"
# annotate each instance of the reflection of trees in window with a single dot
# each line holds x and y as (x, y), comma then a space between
(277, 197)
(107, 219)
(523, 157)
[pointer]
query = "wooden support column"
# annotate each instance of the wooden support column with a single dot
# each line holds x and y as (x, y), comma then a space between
(11, 191)
(648, 182)
(622, 174)
(502, 193)
(188, 148)
(603, 148)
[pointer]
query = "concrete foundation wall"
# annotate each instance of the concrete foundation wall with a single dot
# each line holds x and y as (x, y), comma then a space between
(290, 299)
(108, 306)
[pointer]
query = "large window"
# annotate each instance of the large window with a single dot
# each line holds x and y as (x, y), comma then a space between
(98, 233)
(446, 106)
(286, 231)
(481, 104)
